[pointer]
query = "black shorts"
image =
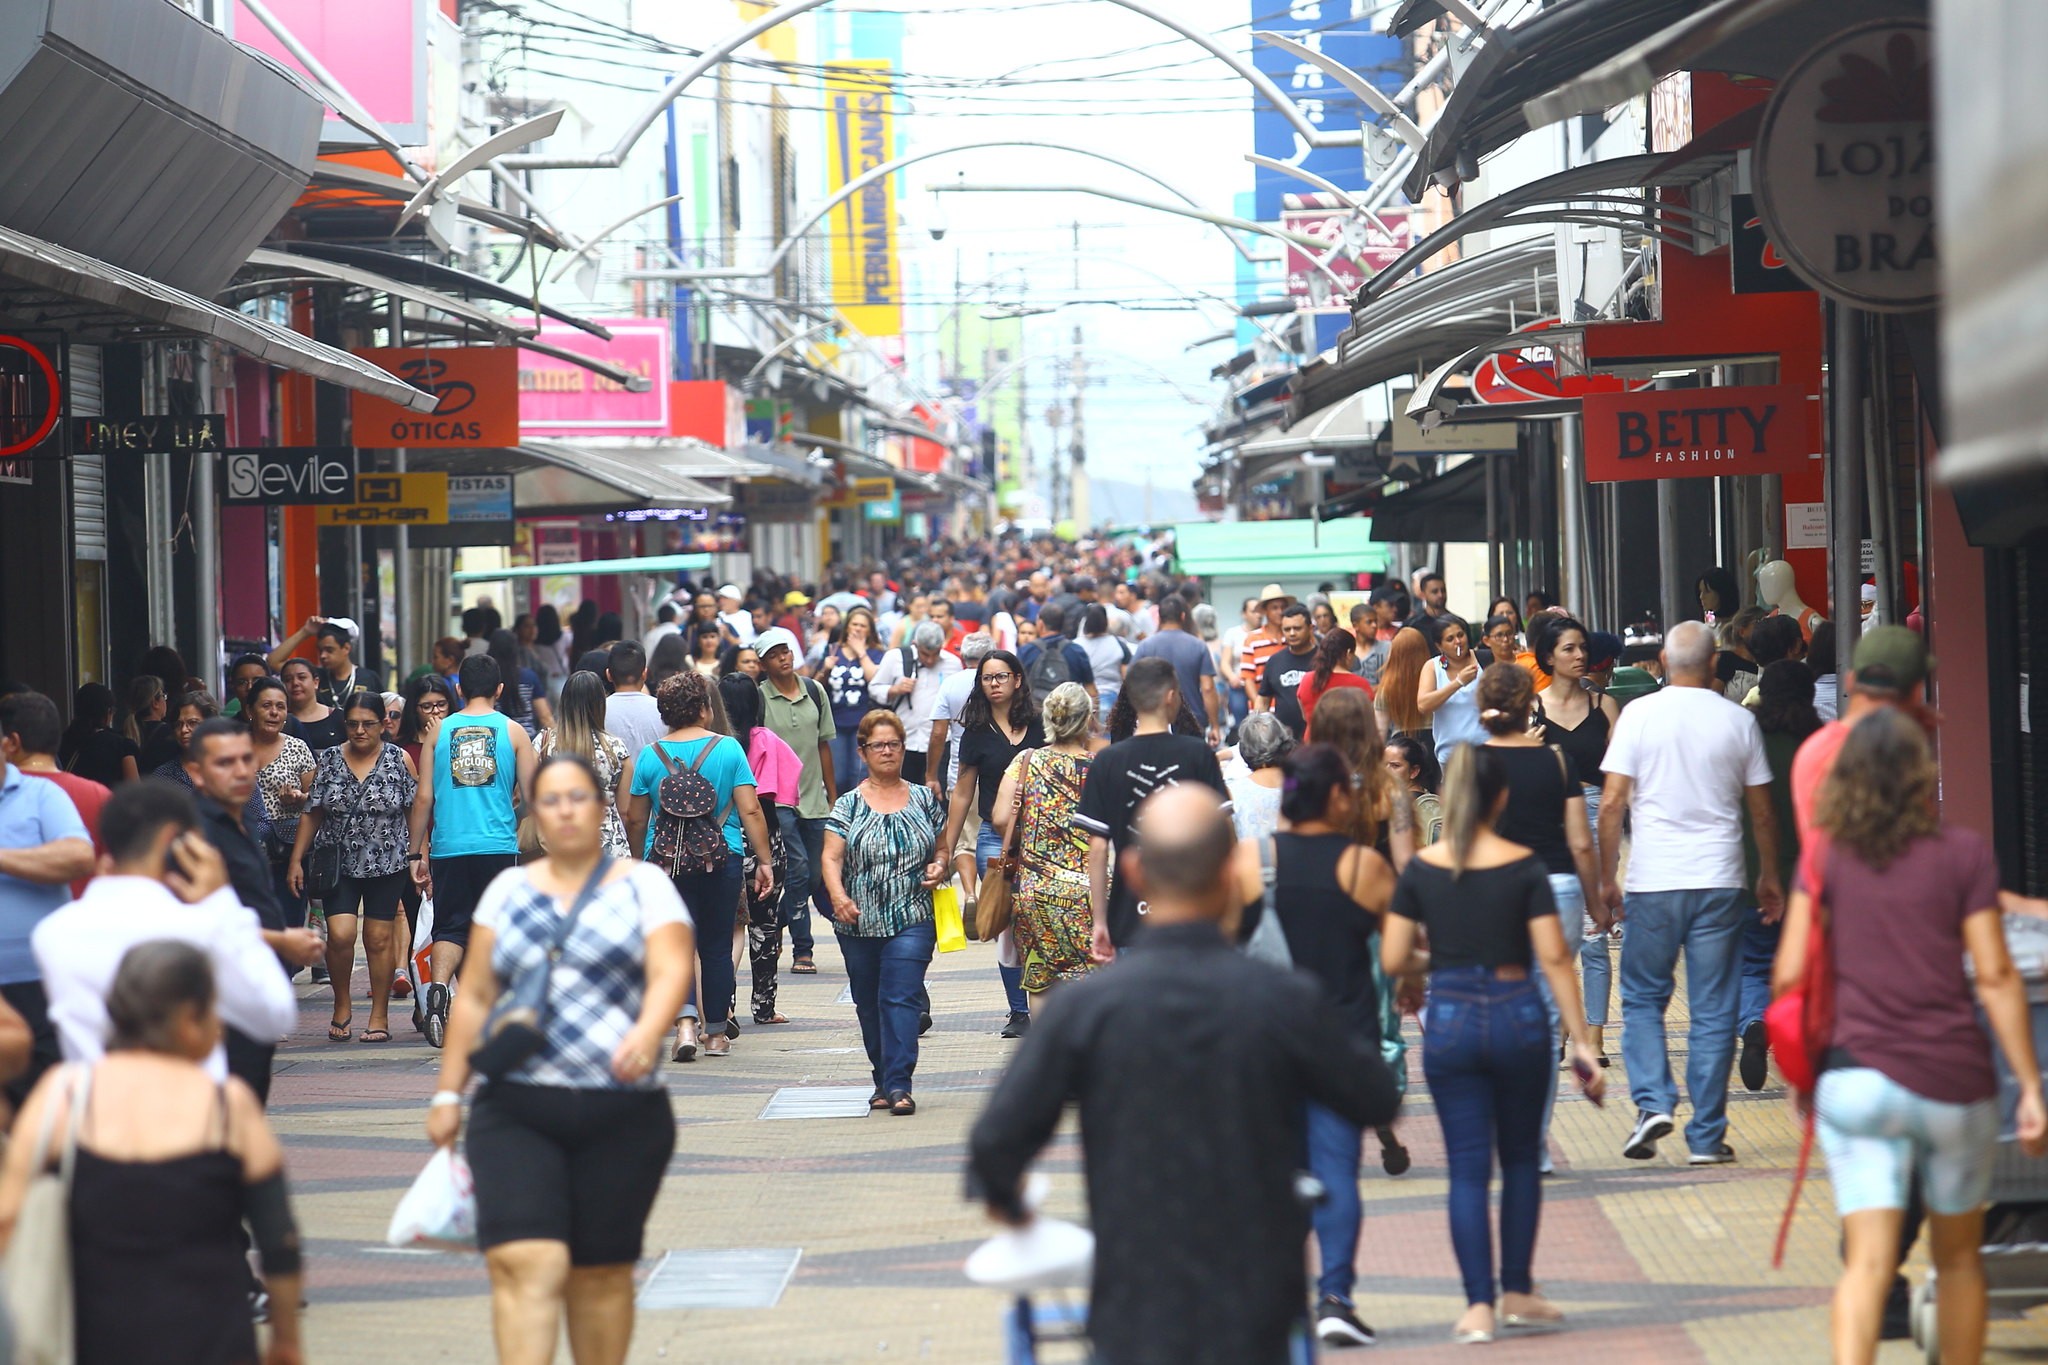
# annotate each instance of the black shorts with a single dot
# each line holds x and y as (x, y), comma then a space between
(377, 897)
(458, 885)
(575, 1166)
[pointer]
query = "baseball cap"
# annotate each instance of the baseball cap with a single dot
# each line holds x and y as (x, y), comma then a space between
(732, 591)
(1891, 656)
(775, 637)
(794, 598)
(350, 630)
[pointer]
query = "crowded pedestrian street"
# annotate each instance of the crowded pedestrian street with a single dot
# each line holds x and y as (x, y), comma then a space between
(1130, 682)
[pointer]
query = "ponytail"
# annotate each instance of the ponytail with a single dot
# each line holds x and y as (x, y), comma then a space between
(1472, 786)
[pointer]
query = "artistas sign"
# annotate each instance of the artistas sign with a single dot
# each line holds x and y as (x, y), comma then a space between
(1700, 433)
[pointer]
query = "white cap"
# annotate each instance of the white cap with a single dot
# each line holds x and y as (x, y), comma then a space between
(355, 632)
(775, 637)
(729, 590)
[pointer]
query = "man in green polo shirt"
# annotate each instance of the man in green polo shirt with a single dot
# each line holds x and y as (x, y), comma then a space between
(797, 709)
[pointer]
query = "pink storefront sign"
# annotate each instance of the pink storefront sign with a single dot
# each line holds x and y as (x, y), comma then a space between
(376, 49)
(560, 398)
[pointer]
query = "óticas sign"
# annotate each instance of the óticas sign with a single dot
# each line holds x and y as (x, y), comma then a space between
(1699, 433)
(154, 435)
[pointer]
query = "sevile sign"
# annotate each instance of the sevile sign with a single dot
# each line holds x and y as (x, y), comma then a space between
(1845, 168)
(1700, 433)
(289, 476)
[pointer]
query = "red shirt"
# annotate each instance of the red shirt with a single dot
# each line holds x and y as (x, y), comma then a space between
(88, 796)
(1308, 694)
(1810, 767)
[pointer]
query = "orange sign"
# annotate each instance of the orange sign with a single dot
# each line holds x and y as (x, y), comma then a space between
(479, 391)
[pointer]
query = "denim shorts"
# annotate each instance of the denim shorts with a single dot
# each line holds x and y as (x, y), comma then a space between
(1875, 1132)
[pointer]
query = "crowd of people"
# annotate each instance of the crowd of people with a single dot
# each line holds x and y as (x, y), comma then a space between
(559, 843)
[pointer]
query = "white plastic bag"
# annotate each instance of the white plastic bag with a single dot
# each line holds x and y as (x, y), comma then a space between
(440, 1208)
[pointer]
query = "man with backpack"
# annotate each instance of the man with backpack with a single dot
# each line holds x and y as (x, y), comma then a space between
(907, 681)
(1053, 658)
(797, 710)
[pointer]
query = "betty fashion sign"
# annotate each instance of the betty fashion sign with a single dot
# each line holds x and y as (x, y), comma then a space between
(1698, 433)
(1845, 168)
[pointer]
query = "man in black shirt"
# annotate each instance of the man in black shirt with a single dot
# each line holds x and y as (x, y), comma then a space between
(1120, 779)
(1191, 1115)
(222, 765)
(1286, 670)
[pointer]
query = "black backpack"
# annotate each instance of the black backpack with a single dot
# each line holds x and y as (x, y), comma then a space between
(689, 819)
(1050, 668)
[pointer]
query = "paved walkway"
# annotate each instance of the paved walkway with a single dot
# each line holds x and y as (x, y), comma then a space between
(1653, 1262)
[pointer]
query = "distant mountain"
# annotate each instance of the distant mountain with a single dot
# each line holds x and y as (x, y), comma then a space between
(1114, 502)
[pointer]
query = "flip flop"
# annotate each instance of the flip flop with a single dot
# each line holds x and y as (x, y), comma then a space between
(804, 966)
(375, 1035)
(770, 1019)
(342, 1032)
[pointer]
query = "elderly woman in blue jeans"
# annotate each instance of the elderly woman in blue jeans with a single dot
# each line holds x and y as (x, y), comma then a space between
(882, 858)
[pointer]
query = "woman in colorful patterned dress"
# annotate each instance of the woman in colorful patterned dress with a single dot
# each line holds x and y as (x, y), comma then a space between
(1051, 920)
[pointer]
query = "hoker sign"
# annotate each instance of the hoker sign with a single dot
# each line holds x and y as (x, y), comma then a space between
(1699, 433)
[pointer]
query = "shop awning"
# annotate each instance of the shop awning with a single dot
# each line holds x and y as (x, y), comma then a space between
(441, 278)
(785, 462)
(643, 564)
(1511, 66)
(45, 285)
(861, 464)
(1277, 549)
(1434, 318)
(1449, 507)
(1349, 424)
(571, 478)
(339, 186)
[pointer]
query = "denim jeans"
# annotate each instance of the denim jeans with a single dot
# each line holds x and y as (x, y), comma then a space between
(1759, 951)
(1706, 926)
(805, 843)
(1571, 917)
(1596, 957)
(848, 769)
(1333, 1160)
(887, 979)
(713, 900)
(1486, 1054)
(988, 845)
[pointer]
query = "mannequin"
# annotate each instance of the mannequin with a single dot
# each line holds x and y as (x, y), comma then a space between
(1774, 586)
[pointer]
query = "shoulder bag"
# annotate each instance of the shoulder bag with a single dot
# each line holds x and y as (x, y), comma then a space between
(323, 863)
(1800, 1026)
(1268, 941)
(39, 1283)
(518, 1023)
(995, 907)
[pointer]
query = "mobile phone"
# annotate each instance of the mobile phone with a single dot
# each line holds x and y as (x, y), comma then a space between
(1585, 1075)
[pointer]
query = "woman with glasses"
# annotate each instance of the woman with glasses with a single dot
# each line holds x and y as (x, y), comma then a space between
(882, 858)
(193, 708)
(999, 722)
(362, 799)
(1497, 637)
(429, 700)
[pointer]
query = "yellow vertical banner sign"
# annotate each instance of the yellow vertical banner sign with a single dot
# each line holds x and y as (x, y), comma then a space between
(859, 136)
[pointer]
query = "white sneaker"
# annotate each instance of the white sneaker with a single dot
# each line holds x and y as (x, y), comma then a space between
(1720, 1156)
(1642, 1143)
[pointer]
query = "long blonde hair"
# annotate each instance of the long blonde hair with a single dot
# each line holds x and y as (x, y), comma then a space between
(1474, 783)
(1344, 720)
(579, 719)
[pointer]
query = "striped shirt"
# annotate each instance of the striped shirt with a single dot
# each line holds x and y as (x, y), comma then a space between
(1259, 645)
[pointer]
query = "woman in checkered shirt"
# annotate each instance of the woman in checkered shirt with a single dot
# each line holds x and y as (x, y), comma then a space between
(568, 1147)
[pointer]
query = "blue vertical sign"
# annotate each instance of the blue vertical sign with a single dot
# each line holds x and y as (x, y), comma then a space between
(1337, 28)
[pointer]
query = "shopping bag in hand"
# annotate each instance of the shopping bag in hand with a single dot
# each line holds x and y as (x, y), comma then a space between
(946, 919)
(440, 1208)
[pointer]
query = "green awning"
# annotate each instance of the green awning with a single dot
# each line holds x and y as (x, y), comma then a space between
(644, 564)
(1278, 549)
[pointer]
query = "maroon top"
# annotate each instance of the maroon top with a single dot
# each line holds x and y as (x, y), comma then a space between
(1902, 1002)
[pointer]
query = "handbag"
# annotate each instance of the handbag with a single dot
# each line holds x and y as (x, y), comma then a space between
(39, 1285)
(1268, 940)
(946, 921)
(995, 907)
(323, 863)
(518, 1023)
(1800, 1025)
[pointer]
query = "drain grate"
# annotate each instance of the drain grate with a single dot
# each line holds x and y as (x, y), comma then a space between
(818, 1102)
(740, 1277)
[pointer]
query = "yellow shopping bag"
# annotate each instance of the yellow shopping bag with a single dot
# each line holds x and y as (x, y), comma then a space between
(946, 918)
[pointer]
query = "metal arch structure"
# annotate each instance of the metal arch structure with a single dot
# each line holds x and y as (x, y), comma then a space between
(719, 51)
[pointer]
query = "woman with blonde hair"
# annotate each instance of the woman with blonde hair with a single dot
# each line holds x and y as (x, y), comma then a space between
(1407, 655)
(1051, 923)
(579, 730)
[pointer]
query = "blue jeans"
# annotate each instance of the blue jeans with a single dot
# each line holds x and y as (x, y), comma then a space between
(847, 768)
(1707, 926)
(1759, 951)
(1333, 1160)
(804, 845)
(1486, 1054)
(1596, 958)
(713, 900)
(988, 845)
(1571, 917)
(887, 978)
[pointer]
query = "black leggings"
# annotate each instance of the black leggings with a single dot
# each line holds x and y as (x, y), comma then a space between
(576, 1166)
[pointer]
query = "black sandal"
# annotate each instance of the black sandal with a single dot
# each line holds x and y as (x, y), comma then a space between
(375, 1035)
(341, 1032)
(901, 1105)
(878, 1101)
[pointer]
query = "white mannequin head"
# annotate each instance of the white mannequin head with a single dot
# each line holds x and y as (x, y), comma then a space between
(1774, 584)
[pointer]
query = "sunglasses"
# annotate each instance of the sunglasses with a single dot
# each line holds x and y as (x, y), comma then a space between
(362, 725)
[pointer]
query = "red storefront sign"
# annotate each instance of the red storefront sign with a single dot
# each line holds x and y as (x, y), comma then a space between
(1699, 433)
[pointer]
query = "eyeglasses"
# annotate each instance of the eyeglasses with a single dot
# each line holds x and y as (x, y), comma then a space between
(882, 746)
(362, 725)
(578, 796)
(999, 677)
(434, 708)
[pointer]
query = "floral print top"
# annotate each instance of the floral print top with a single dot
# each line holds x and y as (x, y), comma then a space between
(886, 855)
(281, 774)
(367, 818)
(610, 762)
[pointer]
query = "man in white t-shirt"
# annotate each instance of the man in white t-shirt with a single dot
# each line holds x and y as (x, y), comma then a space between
(1685, 761)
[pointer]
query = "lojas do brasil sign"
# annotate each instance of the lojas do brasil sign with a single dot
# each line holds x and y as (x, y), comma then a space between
(1699, 433)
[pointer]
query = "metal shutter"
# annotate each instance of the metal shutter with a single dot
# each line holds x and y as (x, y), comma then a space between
(88, 470)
